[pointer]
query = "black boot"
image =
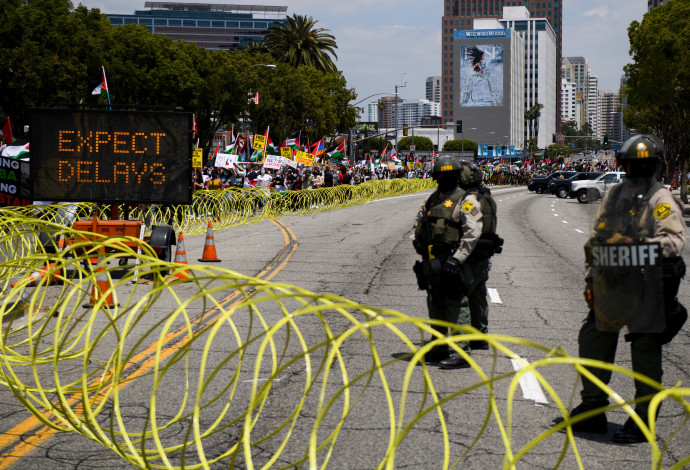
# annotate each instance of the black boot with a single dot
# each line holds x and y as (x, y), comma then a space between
(628, 434)
(454, 362)
(479, 345)
(597, 424)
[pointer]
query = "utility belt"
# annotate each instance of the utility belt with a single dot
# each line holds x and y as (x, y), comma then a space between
(442, 252)
(431, 275)
(489, 244)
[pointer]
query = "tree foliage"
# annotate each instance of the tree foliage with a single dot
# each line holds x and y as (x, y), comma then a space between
(658, 81)
(458, 145)
(53, 53)
(373, 145)
(298, 41)
(422, 144)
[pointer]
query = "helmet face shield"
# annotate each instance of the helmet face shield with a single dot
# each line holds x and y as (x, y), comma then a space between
(445, 165)
(641, 156)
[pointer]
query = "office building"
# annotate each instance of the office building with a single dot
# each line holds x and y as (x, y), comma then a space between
(491, 87)
(541, 69)
(371, 112)
(655, 3)
(411, 112)
(208, 25)
(611, 118)
(568, 101)
(386, 111)
(433, 89)
(594, 107)
(461, 14)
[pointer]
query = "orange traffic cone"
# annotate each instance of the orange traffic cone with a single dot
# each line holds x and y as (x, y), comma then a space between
(36, 276)
(181, 258)
(209, 255)
(101, 287)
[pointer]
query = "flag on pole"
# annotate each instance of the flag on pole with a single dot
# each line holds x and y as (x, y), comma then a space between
(102, 89)
(394, 155)
(339, 151)
(270, 149)
(16, 151)
(317, 149)
(7, 132)
(290, 143)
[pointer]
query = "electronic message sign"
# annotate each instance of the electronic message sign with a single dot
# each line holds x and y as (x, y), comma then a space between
(111, 156)
(14, 182)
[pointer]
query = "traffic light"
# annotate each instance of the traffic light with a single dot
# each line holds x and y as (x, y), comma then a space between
(553, 138)
(405, 126)
(606, 140)
(458, 127)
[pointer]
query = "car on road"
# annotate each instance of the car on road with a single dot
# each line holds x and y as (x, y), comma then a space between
(538, 184)
(590, 190)
(561, 187)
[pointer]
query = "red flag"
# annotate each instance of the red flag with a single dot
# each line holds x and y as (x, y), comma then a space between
(7, 132)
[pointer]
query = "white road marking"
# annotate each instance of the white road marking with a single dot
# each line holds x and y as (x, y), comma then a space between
(579, 231)
(493, 295)
(555, 215)
(564, 221)
(531, 390)
(264, 380)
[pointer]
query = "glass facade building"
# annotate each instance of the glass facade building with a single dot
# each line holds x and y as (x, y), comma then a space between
(460, 14)
(211, 26)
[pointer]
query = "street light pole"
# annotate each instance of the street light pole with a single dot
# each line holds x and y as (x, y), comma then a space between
(246, 130)
(395, 120)
(351, 148)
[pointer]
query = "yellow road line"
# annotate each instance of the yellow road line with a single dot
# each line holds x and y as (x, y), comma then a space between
(19, 446)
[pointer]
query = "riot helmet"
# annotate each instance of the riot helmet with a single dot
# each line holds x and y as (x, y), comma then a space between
(444, 165)
(641, 155)
(446, 172)
(470, 176)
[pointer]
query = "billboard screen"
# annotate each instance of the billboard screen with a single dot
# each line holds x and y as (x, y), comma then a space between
(481, 76)
(111, 156)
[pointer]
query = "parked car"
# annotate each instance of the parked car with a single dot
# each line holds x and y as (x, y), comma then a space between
(561, 187)
(538, 184)
(590, 190)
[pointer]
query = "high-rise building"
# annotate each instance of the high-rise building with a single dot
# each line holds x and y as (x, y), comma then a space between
(208, 25)
(611, 116)
(568, 101)
(576, 70)
(433, 89)
(491, 86)
(542, 78)
(460, 14)
(655, 3)
(371, 112)
(594, 106)
(387, 110)
(411, 112)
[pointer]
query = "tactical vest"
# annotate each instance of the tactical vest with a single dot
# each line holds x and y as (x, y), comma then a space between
(623, 214)
(437, 228)
(488, 206)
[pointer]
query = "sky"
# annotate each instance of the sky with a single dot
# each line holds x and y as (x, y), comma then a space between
(384, 43)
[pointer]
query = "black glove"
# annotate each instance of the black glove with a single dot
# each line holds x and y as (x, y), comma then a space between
(452, 266)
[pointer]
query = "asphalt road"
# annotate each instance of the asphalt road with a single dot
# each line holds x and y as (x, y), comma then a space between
(364, 253)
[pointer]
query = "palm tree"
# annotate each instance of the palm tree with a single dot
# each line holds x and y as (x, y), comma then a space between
(297, 42)
(532, 115)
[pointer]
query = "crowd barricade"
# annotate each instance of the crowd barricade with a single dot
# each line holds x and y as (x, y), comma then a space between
(214, 347)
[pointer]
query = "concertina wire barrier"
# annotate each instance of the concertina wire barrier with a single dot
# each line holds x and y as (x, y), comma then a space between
(70, 366)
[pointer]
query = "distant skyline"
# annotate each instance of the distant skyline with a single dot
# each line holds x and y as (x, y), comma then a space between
(386, 43)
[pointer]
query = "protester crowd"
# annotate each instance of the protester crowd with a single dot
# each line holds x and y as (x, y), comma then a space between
(253, 174)
(291, 179)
